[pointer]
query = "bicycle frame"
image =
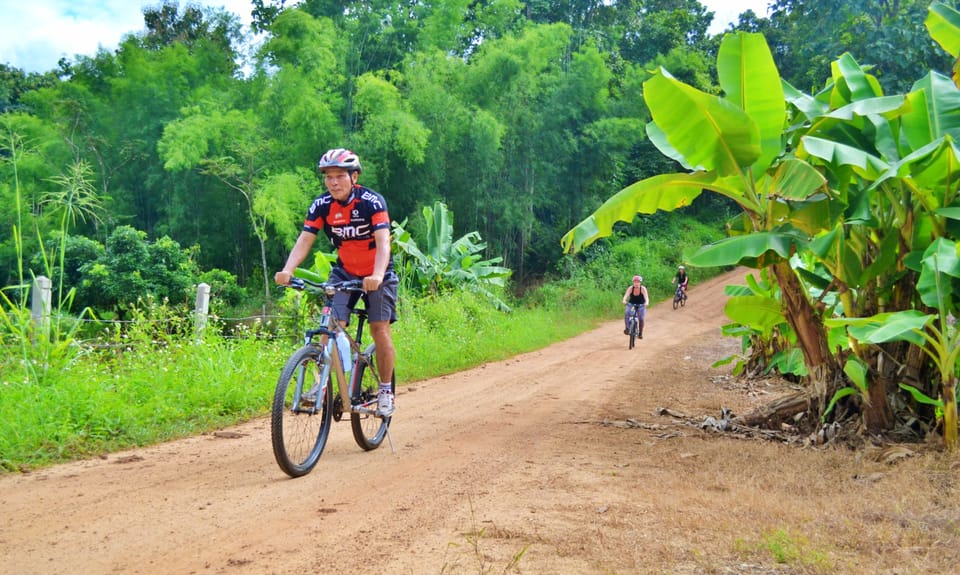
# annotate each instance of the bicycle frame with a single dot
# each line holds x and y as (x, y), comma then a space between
(332, 359)
(304, 406)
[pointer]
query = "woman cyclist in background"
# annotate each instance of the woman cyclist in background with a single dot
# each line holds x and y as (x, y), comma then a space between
(635, 299)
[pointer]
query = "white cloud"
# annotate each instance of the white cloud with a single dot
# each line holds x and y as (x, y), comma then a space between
(727, 12)
(35, 34)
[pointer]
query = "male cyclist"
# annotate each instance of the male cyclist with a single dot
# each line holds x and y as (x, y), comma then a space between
(635, 299)
(356, 221)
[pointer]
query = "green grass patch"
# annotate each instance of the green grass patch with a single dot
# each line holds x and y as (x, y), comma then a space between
(788, 548)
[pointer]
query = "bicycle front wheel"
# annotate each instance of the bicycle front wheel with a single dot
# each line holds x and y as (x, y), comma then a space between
(369, 430)
(634, 329)
(300, 418)
(676, 301)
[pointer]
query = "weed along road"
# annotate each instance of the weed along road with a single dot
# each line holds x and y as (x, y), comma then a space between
(519, 466)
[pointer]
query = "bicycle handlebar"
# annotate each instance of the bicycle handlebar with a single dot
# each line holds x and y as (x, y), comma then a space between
(327, 288)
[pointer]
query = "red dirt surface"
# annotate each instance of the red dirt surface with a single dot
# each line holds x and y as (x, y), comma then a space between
(553, 462)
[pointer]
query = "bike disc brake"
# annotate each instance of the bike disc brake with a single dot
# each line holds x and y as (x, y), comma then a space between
(337, 408)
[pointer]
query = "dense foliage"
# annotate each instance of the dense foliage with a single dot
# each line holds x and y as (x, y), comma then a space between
(520, 117)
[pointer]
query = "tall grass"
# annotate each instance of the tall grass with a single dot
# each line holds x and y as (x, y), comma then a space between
(151, 381)
(138, 388)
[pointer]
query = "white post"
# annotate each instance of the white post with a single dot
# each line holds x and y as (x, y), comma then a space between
(40, 297)
(201, 309)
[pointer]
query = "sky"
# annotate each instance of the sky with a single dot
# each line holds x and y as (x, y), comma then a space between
(35, 34)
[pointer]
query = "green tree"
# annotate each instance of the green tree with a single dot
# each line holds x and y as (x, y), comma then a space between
(889, 36)
(131, 268)
(233, 148)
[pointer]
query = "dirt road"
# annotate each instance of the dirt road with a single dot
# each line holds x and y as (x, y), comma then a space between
(514, 467)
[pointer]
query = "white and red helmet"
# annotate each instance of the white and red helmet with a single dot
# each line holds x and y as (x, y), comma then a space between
(339, 158)
(638, 279)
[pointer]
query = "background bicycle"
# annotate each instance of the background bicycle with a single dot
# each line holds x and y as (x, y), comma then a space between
(679, 298)
(633, 325)
(308, 398)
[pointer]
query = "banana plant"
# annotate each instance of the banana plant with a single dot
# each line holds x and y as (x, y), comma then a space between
(936, 334)
(840, 196)
(734, 145)
(767, 341)
(444, 263)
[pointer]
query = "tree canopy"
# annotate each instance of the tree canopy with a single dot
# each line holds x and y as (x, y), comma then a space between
(521, 117)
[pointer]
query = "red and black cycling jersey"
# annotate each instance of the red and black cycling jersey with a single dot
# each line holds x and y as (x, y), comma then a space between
(350, 227)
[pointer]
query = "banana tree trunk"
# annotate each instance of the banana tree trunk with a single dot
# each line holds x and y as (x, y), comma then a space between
(811, 334)
(950, 414)
(877, 415)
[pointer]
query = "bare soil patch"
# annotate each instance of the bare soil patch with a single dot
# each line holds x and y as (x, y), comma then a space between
(557, 461)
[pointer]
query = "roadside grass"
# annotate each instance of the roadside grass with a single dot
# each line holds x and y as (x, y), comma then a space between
(473, 550)
(786, 547)
(154, 382)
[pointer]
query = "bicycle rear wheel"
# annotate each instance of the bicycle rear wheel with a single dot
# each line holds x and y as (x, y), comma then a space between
(299, 432)
(369, 430)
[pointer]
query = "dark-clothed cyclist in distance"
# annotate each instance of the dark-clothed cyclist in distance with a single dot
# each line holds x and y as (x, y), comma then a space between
(635, 299)
(355, 219)
(681, 279)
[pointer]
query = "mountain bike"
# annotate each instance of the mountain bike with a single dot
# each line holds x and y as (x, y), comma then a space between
(633, 325)
(308, 400)
(679, 297)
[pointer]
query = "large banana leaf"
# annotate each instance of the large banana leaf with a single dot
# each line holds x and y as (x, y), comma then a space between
(756, 250)
(439, 230)
(930, 169)
(836, 254)
(659, 139)
(666, 192)
(940, 262)
(939, 170)
(750, 80)
(864, 164)
(884, 327)
(943, 23)
(703, 132)
(796, 180)
(851, 83)
(934, 110)
(706, 130)
(889, 107)
(809, 106)
(815, 215)
(757, 312)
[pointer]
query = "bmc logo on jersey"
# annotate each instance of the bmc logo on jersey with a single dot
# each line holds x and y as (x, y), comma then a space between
(351, 232)
(373, 199)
